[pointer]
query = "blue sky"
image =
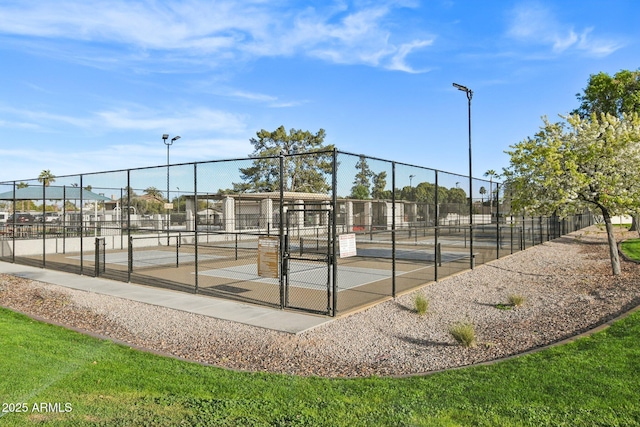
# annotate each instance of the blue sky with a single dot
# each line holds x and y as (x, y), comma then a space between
(90, 85)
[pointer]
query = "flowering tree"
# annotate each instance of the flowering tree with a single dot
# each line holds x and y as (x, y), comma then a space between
(616, 95)
(579, 163)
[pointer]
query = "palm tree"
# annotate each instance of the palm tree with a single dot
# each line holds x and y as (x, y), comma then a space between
(153, 191)
(491, 174)
(483, 191)
(46, 178)
(22, 185)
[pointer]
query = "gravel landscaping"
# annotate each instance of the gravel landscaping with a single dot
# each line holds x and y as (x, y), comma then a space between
(566, 285)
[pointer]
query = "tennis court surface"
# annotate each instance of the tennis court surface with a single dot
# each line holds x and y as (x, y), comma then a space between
(304, 275)
(152, 258)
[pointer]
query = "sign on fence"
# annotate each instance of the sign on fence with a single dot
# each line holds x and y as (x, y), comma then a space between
(268, 257)
(347, 245)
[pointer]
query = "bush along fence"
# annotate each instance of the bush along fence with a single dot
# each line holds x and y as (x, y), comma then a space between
(324, 232)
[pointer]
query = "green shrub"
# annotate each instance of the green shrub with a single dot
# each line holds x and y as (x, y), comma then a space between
(464, 333)
(421, 304)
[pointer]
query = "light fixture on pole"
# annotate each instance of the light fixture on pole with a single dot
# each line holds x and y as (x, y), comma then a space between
(469, 93)
(165, 136)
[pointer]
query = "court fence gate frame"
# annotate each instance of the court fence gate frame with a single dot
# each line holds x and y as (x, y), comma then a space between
(279, 244)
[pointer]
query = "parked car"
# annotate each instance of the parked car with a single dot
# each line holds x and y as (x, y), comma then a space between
(21, 218)
(48, 217)
(52, 217)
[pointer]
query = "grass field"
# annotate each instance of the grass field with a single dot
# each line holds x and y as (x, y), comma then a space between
(631, 248)
(59, 377)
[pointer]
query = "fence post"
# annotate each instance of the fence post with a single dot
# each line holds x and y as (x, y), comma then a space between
(334, 202)
(393, 230)
(436, 232)
(13, 225)
(97, 257)
(281, 223)
(44, 226)
(130, 259)
(178, 250)
(497, 221)
(533, 232)
(64, 219)
(541, 238)
(195, 203)
(129, 237)
(511, 233)
(100, 255)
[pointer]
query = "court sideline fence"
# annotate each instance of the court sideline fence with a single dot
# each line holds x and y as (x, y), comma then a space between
(324, 232)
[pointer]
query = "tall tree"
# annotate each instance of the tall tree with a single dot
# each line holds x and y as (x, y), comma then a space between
(491, 174)
(425, 192)
(615, 95)
(46, 178)
(359, 192)
(307, 162)
(379, 185)
(483, 191)
(361, 183)
(22, 185)
(154, 192)
(579, 163)
(451, 200)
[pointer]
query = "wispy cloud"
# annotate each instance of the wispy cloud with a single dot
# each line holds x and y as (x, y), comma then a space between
(18, 125)
(214, 33)
(195, 120)
(399, 60)
(38, 120)
(534, 23)
(106, 157)
(358, 37)
(252, 96)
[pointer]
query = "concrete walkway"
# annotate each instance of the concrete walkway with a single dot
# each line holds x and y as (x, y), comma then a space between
(264, 317)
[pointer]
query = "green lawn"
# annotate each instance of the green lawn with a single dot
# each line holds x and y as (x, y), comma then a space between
(593, 381)
(631, 248)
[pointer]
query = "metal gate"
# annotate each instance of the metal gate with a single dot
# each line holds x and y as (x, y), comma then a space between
(307, 260)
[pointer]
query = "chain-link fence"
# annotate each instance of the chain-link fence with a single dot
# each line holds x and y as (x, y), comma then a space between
(324, 232)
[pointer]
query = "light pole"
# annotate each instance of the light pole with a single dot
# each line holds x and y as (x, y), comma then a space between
(411, 184)
(168, 144)
(469, 93)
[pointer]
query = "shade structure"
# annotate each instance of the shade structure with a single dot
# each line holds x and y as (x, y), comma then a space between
(52, 193)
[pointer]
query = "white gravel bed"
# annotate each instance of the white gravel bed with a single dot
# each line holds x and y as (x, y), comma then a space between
(566, 284)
